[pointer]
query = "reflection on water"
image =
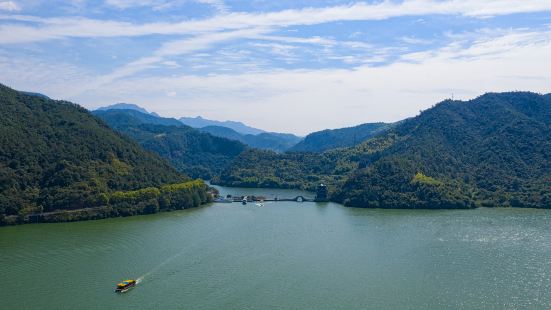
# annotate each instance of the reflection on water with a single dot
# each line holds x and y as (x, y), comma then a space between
(284, 255)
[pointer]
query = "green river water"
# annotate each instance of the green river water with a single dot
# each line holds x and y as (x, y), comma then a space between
(283, 255)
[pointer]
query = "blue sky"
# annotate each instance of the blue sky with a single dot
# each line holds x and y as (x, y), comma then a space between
(291, 66)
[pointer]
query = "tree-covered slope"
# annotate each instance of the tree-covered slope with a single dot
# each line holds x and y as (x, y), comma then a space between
(55, 155)
(132, 117)
(261, 168)
(223, 132)
(273, 141)
(494, 150)
(190, 151)
(337, 138)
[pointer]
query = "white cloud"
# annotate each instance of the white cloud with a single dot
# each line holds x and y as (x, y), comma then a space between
(9, 6)
(415, 41)
(56, 28)
(125, 4)
(49, 78)
(173, 48)
(219, 5)
(307, 100)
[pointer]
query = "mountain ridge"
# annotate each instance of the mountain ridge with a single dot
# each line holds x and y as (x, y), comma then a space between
(494, 150)
(192, 152)
(323, 140)
(279, 142)
(200, 122)
(126, 106)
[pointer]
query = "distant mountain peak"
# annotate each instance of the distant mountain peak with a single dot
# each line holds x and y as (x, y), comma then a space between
(200, 122)
(126, 106)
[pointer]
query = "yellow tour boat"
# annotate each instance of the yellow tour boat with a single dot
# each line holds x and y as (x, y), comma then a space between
(125, 286)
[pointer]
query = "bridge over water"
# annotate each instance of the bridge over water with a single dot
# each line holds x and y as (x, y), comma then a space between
(264, 199)
(321, 195)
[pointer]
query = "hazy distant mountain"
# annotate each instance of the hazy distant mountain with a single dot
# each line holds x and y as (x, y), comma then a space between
(199, 122)
(237, 131)
(334, 138)
(221, 131)
(195, 153)
(278, 142)
(126, 106)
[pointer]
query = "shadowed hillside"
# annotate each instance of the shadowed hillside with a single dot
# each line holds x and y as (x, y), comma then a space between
(273, 141)
(190, 151)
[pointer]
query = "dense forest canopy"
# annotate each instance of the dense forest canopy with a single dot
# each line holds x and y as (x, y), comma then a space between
(122, 118)
(273, 141)
(195, 153)
(55, 155)
(305, 170)
(337, 138)
(494, 150)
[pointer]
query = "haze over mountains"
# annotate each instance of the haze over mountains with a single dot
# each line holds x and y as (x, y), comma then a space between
(199, 122)
(197, 154)
(233, 130)
(274, 141)
(258, 138)
(253, 137)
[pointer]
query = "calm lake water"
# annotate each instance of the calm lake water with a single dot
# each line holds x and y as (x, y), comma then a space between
(283, 256)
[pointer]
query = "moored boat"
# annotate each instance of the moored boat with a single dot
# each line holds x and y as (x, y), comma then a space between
(125, 286)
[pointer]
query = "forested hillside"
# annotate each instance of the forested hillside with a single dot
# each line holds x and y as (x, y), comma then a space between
(131, 117)
(273, 141)
(494, 150)
(195, 153)
(337, 138)
(55, 155)
(261, 168)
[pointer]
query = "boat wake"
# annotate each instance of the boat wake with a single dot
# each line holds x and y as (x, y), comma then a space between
(156, 268)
